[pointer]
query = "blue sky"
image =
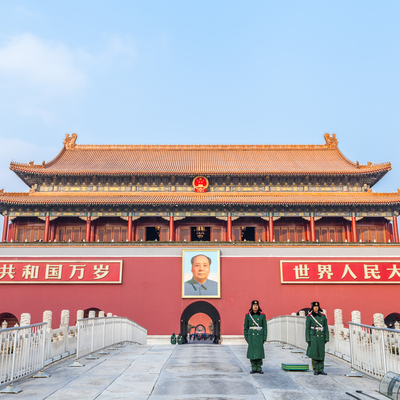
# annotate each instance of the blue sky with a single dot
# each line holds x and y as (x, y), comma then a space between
(133, 72)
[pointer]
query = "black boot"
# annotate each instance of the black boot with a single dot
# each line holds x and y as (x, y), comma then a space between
(316, 373)
(261, 372)
(253, 372)
(323, 373)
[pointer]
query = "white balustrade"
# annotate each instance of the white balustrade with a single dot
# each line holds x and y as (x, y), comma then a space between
(22, 353)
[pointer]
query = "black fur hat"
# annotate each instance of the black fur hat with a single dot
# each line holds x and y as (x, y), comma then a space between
(255, 302)
(316, 303)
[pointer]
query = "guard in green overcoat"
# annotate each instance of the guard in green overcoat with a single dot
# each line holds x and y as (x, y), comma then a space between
(173, 339)
(180, 338)
(255, 333)
(317, 334)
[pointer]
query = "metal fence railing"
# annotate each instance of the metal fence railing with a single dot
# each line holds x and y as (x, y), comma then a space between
(289, 329)
(370, 350)
(22, 353)
(95, 334)
(374, 351)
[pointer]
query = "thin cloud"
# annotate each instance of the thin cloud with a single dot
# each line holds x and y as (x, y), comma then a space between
(42, 65)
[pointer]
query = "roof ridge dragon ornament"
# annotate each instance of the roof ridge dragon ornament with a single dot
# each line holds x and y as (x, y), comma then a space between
(331, 141)
(69, 141)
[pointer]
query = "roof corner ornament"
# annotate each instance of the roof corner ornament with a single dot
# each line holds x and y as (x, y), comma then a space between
(33, 188)
(69, 141)
(331, 141)
(1, 190)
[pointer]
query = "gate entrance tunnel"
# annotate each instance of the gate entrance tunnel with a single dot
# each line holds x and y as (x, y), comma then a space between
(200, 314)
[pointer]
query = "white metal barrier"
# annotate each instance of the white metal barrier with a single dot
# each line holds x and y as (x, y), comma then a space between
(370, 350)
(374, 351)
(98, 333)
(22, 353)
(289, 329)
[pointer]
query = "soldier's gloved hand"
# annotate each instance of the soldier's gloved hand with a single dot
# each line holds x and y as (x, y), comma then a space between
(309, 343)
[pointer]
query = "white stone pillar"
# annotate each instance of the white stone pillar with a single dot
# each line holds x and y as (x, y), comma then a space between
(302, 313)
(338, 317)
(4, 324)
(397, 325)
(338, 327)
(109, 314)
(64, 319)
(379, 320)
(293, 313)
(92, 314)
(48, 317)
(356, 317)
(79, 315)
(25, 319)
(324, 312)
(101, 314)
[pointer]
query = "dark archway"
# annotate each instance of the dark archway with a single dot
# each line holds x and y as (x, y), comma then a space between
(11, 319)
(201, 307)
(391, 319)
(306, 310)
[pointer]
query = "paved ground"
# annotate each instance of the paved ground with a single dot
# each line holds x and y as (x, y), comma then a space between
(202, 372)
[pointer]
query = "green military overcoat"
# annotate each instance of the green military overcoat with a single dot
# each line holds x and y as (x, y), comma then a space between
(254, 337)
(317, 337)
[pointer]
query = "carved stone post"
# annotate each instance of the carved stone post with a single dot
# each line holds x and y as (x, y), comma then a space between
(92, 314)
(4, 324)
(356, 317)
(379, 320)
(48, 317)
(79, 315)
(101, 314)
(25, 319)
(302, 313)
(338, 326)
(64, 319)
(109, 314)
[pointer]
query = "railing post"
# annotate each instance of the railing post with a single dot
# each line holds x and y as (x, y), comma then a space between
(353, 373)
(385, 370)
(120, 344)
(92, 356)
(113, 332)
(103, 351)
(76, 362)
(41, 373)
(10, 388)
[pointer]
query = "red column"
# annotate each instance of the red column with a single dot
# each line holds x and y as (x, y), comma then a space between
(130, 228)
(46, 229)
(229, 229)
(312, 228)
(10, 233)
(93, 232)
(171, 229)
(308, 235)
(5, 228)
(395, 229)
(53, 226)
(354, 229)
(391, 232)
(271, 228)
(88, 227)
(347, 228)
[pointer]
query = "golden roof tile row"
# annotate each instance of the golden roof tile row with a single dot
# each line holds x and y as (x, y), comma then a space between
(199, 198)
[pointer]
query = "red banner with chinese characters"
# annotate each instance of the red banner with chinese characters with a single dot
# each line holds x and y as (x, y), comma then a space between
(60, 271)
(342, 272)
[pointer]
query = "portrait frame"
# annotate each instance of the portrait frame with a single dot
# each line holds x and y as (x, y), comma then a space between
(190, 286)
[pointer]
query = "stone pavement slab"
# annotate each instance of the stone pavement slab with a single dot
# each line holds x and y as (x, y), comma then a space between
(201, 372)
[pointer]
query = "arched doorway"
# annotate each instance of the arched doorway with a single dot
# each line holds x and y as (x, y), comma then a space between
(391, 319)
(11, 319)
(201, 307)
